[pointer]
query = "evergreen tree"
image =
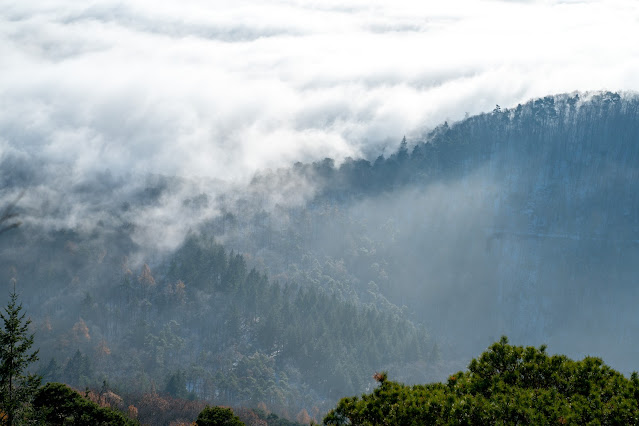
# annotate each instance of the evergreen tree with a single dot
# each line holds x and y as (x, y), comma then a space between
(51, 372)
(217, 416)
(17, 386)
(176, 385)
(77, 372)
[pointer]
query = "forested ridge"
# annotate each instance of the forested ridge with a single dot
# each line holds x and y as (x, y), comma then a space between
(547, 134)
(515, 217)
(285, 298)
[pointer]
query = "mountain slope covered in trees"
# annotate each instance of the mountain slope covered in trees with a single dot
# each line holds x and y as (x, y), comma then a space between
(520, 221)
(292, 291)
(206, 327)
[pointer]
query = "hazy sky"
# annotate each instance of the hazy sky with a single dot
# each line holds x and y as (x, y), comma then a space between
(222, 88)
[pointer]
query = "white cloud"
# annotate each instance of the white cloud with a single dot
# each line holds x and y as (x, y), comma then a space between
(222, 89)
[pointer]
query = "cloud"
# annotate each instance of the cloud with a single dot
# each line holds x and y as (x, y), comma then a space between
(223, 89)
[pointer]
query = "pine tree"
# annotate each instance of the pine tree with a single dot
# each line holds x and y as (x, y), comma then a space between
(17, 386)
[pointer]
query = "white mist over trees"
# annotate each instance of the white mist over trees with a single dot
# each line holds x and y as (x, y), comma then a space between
(519, 221)
(227, 88)
(215, 206)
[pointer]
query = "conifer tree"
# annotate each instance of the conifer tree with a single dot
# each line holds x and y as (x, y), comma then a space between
(17, 386)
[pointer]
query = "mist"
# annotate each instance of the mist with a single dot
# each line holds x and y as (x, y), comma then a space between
(107, 94)
(191, 176)
(525, 229)
(223, 90)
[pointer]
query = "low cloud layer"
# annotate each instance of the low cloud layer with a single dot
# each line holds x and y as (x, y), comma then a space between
(223, 89)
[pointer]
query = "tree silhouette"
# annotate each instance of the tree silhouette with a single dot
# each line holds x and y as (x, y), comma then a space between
(17, 386)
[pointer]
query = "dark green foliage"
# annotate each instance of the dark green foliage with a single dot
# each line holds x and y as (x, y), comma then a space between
(217, 416)
(77, 372)
(17, 385)
(326, 338)
(176, 385)
(274, 420)
(506, 385)
(51, 372)
(60, 405)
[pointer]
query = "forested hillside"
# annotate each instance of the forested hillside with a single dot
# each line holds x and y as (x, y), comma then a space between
(204, 326)
(520, 221)
(289, 293)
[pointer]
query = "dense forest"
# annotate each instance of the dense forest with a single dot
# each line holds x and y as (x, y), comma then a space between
(509, 222)
(208, 328)
(284, 298)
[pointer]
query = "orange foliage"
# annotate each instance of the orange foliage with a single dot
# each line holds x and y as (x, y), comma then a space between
(380, 377)
(264, 408)
(176, 291)
(249, 417)
(316, 412)
(46, 325)
(156, 409)
(303, 417)
(180, 290)
(125, 267)
(132, 412)
(111, 399)
(145, 277)
(81, 331)
(107, 399)
(103, 349)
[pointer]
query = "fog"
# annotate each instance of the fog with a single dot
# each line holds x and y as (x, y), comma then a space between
(524, 229)
(461, 257)
(107, 93)
(129, 128)
(225, 89)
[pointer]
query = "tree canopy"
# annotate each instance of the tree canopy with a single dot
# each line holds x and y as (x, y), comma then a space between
(217, 416)
(60, 405)
(505, 385)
